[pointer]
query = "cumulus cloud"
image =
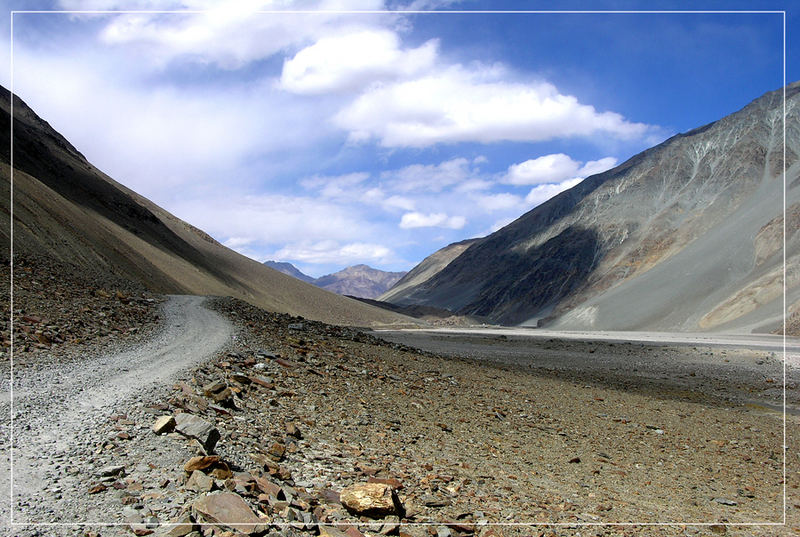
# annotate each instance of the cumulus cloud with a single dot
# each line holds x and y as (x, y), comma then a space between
(498, 202)
(429, 177)
(541, 193)
(545, 169)
(353, 60)
(597, 166)
(399, 202)
(457, 104)
(271, 219)
(225, 33)
(157, 138)
(334, 252)
(187, 109)
(554, 168)
(335, 186)
(415, 220)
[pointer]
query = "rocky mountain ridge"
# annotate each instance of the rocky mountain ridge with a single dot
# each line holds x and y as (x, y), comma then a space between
(683, 236)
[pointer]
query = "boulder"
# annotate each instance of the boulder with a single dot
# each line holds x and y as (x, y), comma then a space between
(164, 424)
(200, 482)
(374, 500)
(214, 387)
(200, 463)
(230, 510)
(178, 527)
(199, 429)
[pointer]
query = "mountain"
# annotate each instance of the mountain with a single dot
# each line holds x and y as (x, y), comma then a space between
(360, 281)
(427, 269)
(291, 270)
(683, 236)
(67, 210)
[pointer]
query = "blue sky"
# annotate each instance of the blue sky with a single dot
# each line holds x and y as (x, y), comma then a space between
(330, 139)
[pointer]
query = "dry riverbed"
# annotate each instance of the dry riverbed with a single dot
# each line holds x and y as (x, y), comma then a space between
(305, 411)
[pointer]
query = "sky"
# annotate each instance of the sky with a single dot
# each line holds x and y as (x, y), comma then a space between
(328, 137)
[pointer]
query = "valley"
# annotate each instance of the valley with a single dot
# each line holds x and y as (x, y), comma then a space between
(610, 362)
(470, 445)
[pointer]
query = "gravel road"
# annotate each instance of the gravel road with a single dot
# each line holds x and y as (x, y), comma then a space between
(56, 407)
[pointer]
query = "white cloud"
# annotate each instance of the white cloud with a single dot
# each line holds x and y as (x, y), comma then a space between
(334, 252)
(415, 220)
(545, 169)
(272, 219)
(353, 60)
(131, 93)
(238, 242)
(555, 168)
(160, 140)
(498, 202)
(597, 166)
(429, 177)
(227, 33)
(339, 186)
(540, 194)
(455, 104)
(399, 202)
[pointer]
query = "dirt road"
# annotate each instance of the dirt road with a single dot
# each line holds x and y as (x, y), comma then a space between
(57, 407)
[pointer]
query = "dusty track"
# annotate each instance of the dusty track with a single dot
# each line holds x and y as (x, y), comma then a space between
(57, 407)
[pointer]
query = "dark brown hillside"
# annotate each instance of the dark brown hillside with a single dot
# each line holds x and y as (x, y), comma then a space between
(68, 210)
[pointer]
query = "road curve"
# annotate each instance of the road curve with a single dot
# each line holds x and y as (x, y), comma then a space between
(55, 405)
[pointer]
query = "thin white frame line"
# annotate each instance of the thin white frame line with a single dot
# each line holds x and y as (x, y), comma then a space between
(785, 313)
(410, 12)
(11, 293)
(442, 523)
(377, 12)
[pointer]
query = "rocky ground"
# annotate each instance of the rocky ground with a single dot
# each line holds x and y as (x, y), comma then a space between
(308, 414)
(55, 308)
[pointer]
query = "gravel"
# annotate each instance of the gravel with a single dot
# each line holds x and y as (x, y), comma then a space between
(467, 445)
(60, 409)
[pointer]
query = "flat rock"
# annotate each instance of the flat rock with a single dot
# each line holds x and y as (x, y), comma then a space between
(199, 429)
(277, 451)
(178, 527)
(200, 482)
(112, 470)
(214, 387)
(331, 531)
(374, 500)
(230, 510)
(200, 463)
(392, 482)
(164, 424)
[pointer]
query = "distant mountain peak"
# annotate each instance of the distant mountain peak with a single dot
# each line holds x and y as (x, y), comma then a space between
(359, 280)
(289, 269)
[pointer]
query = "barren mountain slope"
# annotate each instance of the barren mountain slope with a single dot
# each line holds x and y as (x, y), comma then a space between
(291, 270)
(360, 281)
(425, 270)
(683, 236)
(67, 209)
